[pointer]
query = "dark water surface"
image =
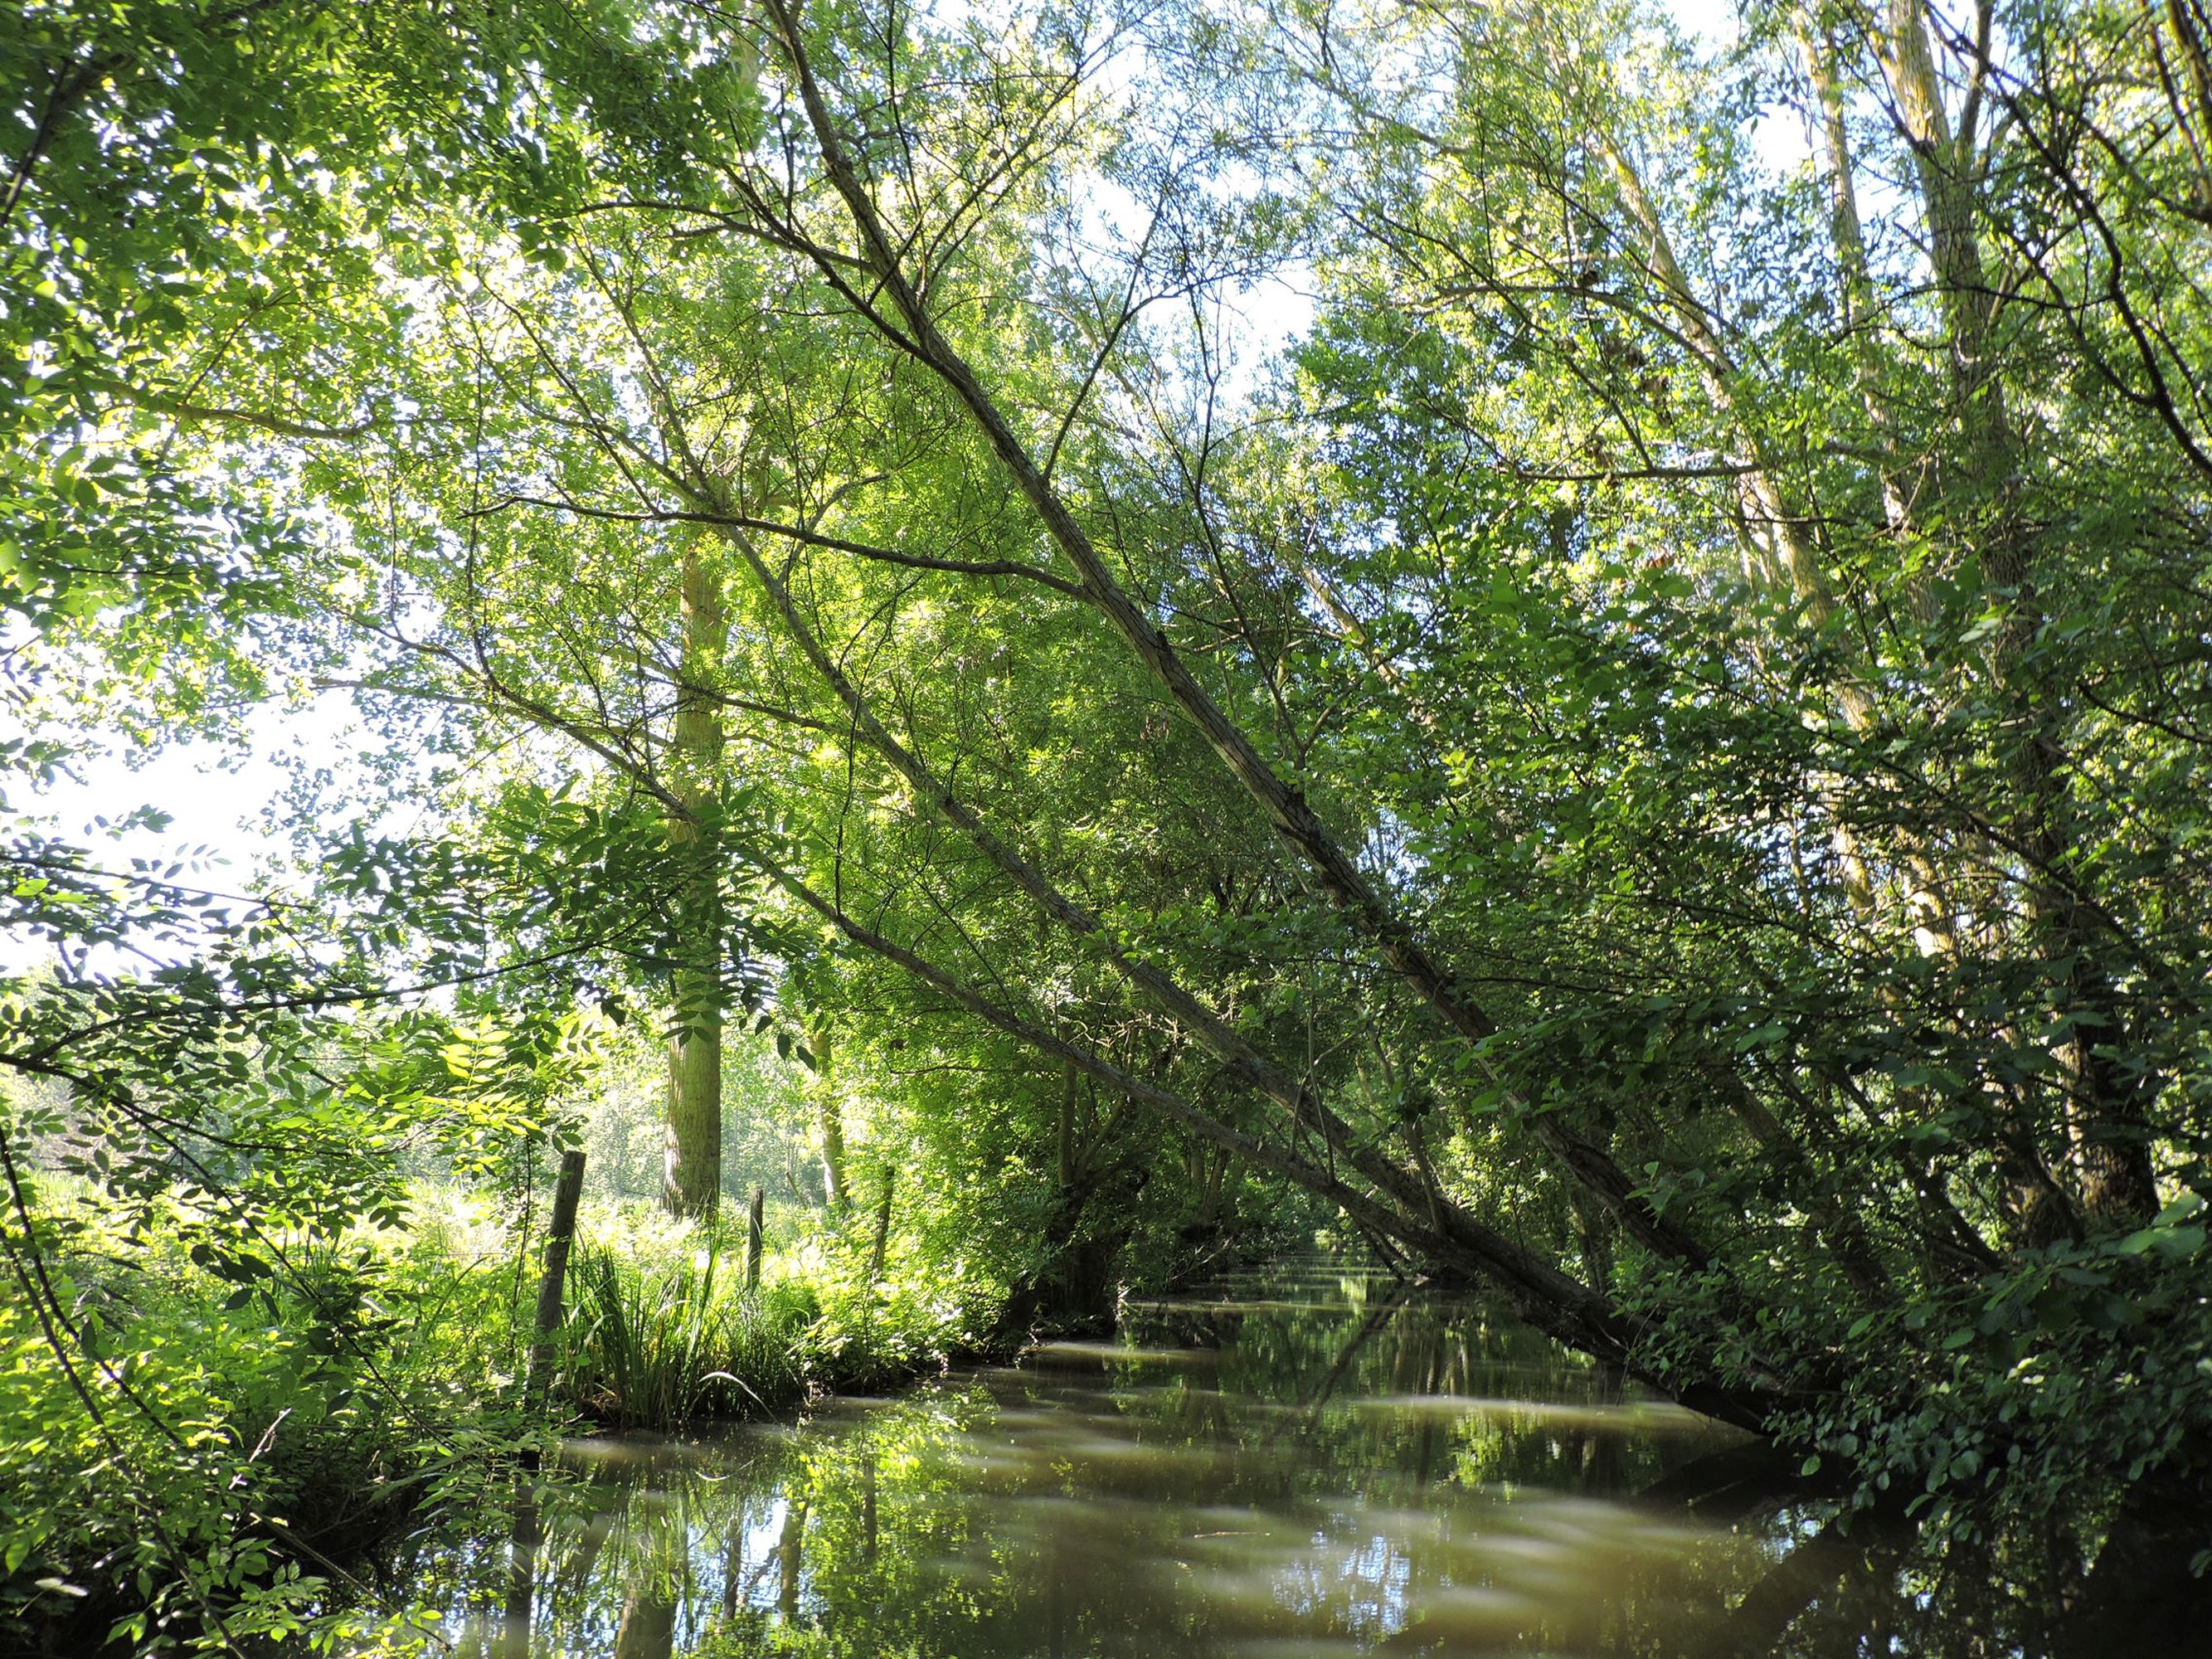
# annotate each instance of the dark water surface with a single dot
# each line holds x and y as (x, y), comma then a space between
(1316, 1464)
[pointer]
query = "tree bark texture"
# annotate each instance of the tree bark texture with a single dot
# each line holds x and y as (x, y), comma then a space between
(692, 1178)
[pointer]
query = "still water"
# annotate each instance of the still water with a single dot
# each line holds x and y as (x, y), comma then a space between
(1317, 1465)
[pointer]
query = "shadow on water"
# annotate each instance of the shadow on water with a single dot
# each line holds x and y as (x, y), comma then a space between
(1314, 1464)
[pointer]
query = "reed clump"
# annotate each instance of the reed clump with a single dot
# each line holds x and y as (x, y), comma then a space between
(662, 1331)
(658, 1338)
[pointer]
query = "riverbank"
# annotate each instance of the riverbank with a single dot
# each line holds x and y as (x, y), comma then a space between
(258, 1429)
(1312, 1462)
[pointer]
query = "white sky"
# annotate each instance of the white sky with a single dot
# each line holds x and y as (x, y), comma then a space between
(1713, 22)
(214, 794)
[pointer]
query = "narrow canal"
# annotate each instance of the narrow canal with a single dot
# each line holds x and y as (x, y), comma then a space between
(1318, 1463)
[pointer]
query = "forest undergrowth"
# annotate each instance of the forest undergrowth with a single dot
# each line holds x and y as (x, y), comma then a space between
(247, 1445)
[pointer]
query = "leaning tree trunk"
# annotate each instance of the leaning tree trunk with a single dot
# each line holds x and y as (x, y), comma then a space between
(1396, 940)
(692, 1178)
(2111, 1144)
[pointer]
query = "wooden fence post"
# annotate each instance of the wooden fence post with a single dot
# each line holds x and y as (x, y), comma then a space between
(755, 1237)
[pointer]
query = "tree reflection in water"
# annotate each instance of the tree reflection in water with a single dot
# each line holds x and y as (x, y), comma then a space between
(1330, 1467)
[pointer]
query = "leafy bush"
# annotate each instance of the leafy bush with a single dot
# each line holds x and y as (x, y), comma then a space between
(207, 1446)
(871, 1333)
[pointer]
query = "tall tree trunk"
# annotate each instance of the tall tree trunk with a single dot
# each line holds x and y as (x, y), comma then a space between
(2111, 1148)
(1848, 234)
(1930, 910)
(883, 1226)
(829, 1114)
(692, 1178)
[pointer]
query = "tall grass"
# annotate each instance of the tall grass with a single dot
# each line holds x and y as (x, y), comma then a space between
(657, 1340)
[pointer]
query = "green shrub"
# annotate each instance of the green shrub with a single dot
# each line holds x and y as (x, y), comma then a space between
(198, 1446)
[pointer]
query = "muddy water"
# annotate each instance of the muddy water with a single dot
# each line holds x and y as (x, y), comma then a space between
(1321, 1466)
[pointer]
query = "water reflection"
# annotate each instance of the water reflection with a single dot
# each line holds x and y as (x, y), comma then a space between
(1330, 1467)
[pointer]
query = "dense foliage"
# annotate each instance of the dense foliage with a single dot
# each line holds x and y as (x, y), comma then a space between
(1132, 630)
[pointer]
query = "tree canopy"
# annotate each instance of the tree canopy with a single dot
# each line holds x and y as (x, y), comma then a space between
(1389, 608)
